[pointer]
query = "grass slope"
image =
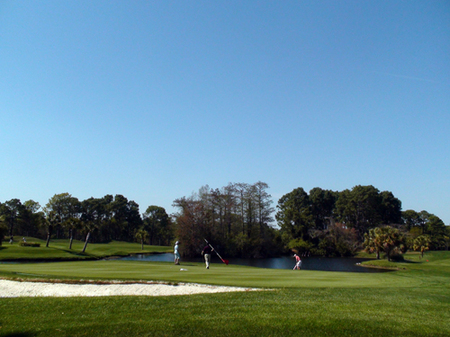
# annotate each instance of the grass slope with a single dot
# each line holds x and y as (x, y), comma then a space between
(59, 250)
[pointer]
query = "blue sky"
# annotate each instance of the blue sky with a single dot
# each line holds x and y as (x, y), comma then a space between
(154, 99)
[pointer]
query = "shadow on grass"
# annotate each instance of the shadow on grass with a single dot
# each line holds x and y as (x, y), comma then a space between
(186, 265)
(73, 252)
(20, 334)
(406, 261)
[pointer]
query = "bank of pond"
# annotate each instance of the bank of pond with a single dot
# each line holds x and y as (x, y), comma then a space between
(284, 262)
(340, 264)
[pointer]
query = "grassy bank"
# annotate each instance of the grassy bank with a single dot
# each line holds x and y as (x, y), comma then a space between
(59, 250)
(413, 301)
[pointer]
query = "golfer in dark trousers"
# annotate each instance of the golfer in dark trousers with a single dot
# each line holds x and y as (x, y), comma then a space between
(206, 252)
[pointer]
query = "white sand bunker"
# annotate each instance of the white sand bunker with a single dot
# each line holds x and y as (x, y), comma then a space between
(43, 289)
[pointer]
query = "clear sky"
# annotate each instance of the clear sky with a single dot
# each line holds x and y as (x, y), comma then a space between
(154, 99)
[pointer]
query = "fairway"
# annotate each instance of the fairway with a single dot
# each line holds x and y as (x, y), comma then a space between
(414, 301)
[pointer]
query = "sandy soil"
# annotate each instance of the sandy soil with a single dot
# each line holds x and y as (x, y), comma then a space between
(42, 289)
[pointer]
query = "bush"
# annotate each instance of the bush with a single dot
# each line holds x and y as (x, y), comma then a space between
(397, 257)
(318, 252)
(30, 244)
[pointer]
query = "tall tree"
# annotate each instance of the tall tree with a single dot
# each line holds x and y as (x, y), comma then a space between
(390, 208)
(11, 211)
(191, 225)
(3, 229)
(359, 208)
(437, 231)
(31, 218)
(322, 206)
(294, 215)
(93, 212)
(236, 218)
(126, 217)
(62, 207)
(157, 224)
(264, 209)
(411, 219)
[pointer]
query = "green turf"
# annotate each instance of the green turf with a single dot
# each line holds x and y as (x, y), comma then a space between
(59, 250)
(413, 301)
(288, 312)
(196, 272)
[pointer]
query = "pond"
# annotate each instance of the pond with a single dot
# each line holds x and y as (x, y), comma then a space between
(284, 262)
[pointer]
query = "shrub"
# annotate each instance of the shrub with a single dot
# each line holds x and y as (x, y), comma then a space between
(29, 244)
(318, 252)
(397, 257)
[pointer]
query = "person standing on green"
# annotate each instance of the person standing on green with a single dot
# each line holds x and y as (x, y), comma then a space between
(206, 252)
(176, 253)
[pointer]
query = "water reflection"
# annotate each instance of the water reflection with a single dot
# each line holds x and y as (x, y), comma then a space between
(284, 262)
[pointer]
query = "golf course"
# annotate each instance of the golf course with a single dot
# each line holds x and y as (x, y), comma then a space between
(412, 300)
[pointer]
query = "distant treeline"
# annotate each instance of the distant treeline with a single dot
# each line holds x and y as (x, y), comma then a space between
(237, 218)
(94, 219)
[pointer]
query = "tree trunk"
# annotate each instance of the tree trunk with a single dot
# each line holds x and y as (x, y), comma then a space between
(86, 242)
(142, 244)
(11, 226)
(71, 238)
(49, 234)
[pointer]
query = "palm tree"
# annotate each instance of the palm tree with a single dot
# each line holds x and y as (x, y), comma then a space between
(385, 239)
(142, 235)
(50, 221)
(71, 224)
(373, 241)
(422, 243)
(394, 242)
(92, 215)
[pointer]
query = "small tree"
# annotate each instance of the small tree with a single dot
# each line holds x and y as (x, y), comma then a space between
(422, 244)
(71, 224)
(142, 235)
(372, 241)
(387, 239)
(300, 246)
(50, 221)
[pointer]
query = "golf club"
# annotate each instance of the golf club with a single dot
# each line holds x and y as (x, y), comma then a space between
(224, 261)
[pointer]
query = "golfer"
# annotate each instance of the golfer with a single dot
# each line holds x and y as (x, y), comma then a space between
(298, 262)
(206, 252)
(176, 253)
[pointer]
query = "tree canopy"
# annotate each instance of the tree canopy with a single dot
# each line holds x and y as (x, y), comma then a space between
(239, 220)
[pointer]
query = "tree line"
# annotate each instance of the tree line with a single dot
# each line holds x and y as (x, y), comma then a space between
(91, 220)
(329, 223)
(240, 219)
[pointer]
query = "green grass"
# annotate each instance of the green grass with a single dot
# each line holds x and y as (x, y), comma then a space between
(290, 312)
(219, 274)
(59, 250)
(413, 301)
